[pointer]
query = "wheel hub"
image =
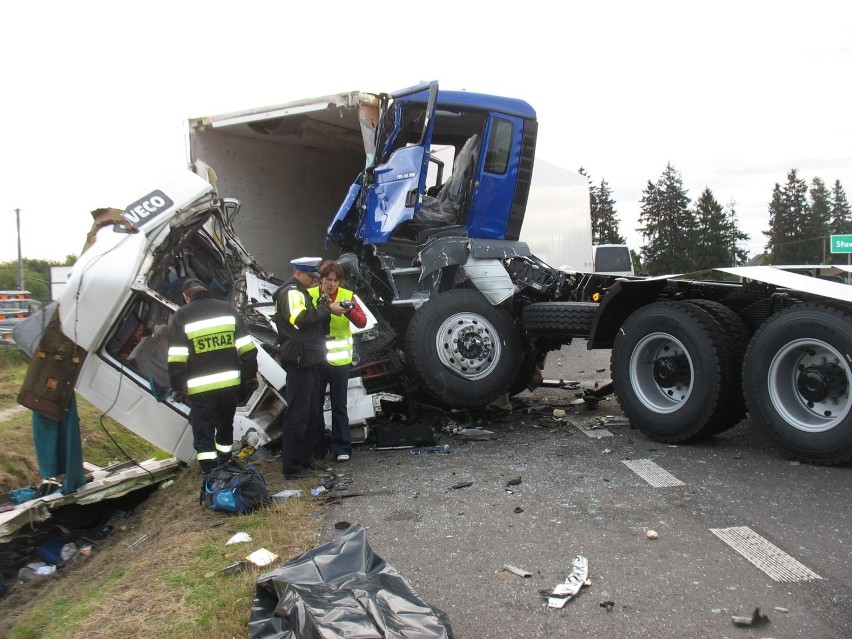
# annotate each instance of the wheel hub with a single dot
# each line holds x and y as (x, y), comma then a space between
(471, 345)
(467, 344)
(818, 383)
(670, 371)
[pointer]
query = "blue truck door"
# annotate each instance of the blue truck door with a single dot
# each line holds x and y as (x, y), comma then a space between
(496, 178)
(399, 181)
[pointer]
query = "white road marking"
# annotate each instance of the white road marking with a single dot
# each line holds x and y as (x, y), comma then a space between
(652, 473)
(769, 558)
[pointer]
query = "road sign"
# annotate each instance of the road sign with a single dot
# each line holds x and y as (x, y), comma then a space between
(841, 243)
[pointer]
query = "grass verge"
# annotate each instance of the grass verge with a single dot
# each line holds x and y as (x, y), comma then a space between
(159, 574)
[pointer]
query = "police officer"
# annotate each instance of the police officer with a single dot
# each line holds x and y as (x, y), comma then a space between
(339, 350)
(212, 364)
(301, 335)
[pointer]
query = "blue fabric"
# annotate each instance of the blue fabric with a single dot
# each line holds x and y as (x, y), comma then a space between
(21, 495)
(58, 447)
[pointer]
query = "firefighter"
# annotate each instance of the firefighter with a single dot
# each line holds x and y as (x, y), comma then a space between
(339, 350)
(301, 336)
(212, 367)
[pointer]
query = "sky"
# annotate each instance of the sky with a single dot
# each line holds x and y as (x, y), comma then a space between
(95, 95)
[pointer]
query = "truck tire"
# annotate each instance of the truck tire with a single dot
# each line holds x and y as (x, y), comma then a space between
(463, 351)
(797, 377)
(668, 371)
(563, 318)
(526, 369)
(735, 338)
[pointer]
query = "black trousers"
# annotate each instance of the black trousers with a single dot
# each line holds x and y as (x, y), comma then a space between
(211, 417)
(337, 378)
(303, 423)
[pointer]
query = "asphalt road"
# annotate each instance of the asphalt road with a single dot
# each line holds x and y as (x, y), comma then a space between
(578, 496)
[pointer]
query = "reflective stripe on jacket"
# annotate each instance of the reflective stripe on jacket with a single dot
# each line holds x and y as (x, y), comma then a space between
(209, 347)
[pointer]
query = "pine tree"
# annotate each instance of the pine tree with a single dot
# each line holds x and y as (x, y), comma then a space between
(817, 220)
(841, 216)
(788, 219)
(606, 231)
(593, 201)
(668, 224)
(717, 233)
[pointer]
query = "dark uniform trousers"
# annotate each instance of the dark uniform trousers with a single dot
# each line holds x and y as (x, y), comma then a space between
(337, 378)
(303, 423)
(211, 416)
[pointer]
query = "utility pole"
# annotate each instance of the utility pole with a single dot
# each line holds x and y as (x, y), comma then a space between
(20, 260)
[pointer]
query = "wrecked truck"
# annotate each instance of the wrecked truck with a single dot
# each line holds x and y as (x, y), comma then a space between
(430, 235)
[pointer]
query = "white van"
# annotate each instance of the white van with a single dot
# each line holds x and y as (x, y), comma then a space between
(612, 259)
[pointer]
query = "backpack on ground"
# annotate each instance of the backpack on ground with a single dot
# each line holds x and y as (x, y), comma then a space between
(232, 488)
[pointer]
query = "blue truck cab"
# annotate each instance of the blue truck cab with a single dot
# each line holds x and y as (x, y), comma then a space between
(441, 160)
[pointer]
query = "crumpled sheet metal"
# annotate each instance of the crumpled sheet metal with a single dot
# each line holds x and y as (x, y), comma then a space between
(341, 589)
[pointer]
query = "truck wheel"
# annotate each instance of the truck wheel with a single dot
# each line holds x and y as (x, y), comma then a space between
(462, 350)
(735, 337)
(797, 377)
(667, 371)
(528, 367)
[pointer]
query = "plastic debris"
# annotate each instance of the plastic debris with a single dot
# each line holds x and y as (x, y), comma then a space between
(652, 534)
(514, 482)
(756, 619)
(463, 484)
(286, 494)
(319, 490)
(342, 525)
(262, 557)
(517, 571)
(558, 413)
(568, 589)
(238, 538)
(608, 605)
(236, 568)
(518, 510)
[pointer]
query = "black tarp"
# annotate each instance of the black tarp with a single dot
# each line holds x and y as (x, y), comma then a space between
(341, 589)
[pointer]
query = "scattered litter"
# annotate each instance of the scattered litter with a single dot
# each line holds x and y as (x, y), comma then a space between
(568, 589)
(319, 490)
(235, 568)
(652, 534)
(780, 609)
(558, 413)
(463, 484)
(166, 484)
(517, 571)
(514, 482)
(262, 557)
(137, 542)
(518, 510)
(286, 494)
(608, 605)
(607, 451)
(238, 538)
(342, 525)
(756, 619)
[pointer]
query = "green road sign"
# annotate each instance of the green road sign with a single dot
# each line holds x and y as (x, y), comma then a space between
(841, 243)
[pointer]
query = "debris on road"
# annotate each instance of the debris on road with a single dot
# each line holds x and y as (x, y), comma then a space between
(652, 534)
(568, 589)
(514, 482)
(463, 484)
(517, 571)
(756, 619)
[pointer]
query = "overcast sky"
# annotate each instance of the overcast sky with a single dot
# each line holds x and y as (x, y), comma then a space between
(95, 95)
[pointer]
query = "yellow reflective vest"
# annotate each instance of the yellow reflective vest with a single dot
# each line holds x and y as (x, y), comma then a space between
(338, 343)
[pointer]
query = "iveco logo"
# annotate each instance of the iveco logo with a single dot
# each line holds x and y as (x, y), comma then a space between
(148, 207)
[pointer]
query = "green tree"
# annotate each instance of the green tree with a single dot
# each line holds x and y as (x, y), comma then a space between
(668, 225)
(717, 233)
(817, 221)
(841, 216)
(606, 230)
(790, 238)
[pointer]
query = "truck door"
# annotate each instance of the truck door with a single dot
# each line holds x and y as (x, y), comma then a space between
(394, 187)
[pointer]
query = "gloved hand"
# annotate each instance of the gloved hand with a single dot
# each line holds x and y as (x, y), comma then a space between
(180, 396)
